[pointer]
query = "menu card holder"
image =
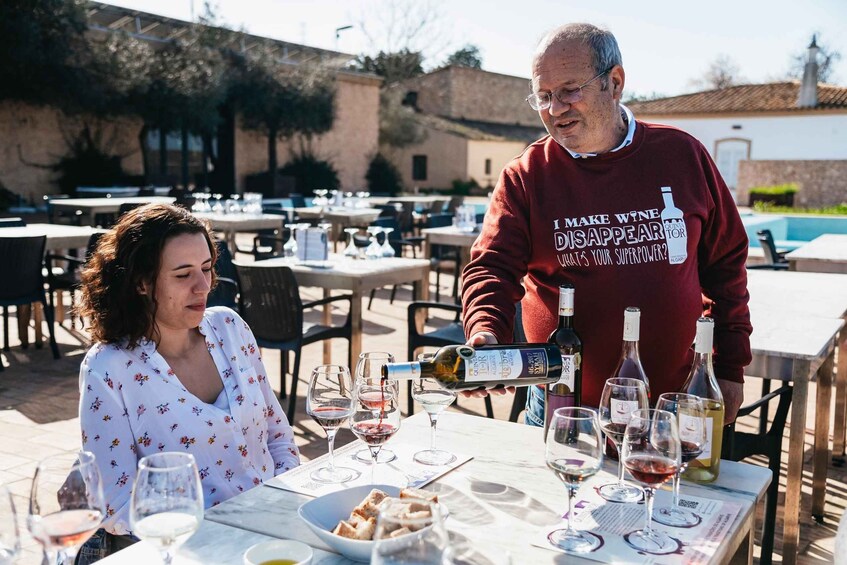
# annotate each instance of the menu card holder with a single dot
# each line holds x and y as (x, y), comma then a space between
(312, 244)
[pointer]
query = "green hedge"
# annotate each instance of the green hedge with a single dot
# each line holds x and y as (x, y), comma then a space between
(775, 190)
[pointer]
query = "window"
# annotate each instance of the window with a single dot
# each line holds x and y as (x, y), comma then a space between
(728, 152)
(418, 167)
(488, 166)
(164, 157)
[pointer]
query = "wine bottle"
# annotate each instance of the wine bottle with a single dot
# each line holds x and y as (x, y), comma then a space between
(701, 382)
(673, 222)
(460, 367)
(567, 390)
(629, 364)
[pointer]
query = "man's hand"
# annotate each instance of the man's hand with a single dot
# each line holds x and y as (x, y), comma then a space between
(477, 339)
(733, 396)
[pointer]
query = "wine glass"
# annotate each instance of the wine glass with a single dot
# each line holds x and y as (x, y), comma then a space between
(376, 417)
(350, 251)
(425, 542)
(434, 399)
(10, 538)
(66, 504)
(167, 501)
(691, 420)
(289, 248)
(369, 371)
(574, 452)
(329, 401)
(621, 396)
(387, 249)
(651, 454)
(374, 249)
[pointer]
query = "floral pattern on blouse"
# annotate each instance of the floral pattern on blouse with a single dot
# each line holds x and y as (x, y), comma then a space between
(132, 404)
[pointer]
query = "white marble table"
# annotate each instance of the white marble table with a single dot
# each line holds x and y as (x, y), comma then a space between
(231, 224)
(824, 254)
(358, 277)
(213, 544)
(92, 206)
(59, 236)
(340, 217)
(501, 498)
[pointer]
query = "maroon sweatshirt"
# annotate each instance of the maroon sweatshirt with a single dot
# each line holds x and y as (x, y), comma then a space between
(602, 224)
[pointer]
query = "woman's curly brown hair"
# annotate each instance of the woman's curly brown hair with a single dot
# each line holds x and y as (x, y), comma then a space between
(126, 256)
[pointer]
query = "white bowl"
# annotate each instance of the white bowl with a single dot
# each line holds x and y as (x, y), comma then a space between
(323, 514)
(297, 551)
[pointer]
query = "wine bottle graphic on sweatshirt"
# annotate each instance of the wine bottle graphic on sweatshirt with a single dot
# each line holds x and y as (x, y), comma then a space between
(674, 224)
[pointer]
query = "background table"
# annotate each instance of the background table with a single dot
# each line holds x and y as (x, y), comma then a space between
(59, 236)
(824, 254)
(93, 206)
(359, 277)
(231, 224)
(501, 498)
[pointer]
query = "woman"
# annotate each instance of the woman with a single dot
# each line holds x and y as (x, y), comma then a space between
(167, 374)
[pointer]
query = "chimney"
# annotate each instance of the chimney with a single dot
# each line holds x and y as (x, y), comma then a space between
(808, 97)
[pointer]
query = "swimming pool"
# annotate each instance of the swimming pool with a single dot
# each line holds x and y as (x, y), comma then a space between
(790, 232)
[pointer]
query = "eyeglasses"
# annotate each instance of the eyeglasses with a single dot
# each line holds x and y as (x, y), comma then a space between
(542, 100)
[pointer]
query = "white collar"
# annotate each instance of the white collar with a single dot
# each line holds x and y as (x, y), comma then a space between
(627, 116)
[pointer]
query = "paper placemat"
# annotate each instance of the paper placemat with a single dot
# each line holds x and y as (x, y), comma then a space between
(404, 471)
(611, 522)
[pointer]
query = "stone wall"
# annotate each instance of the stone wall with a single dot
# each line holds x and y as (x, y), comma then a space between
(820, 183)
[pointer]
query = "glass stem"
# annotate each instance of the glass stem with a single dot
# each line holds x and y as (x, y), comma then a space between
(648, 495)
(374, 456)
(433, 423)
(676, 487)
(167, 557)
(620, 467)
(571, 493)
(330, 439)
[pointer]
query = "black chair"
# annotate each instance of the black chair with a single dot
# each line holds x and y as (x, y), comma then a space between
(774, 259)
(453, 204)
(68, 278)
(225, 292)
(740, 445)
(23, 282)
(451, 333)
(268, 242)
(270, 303)
(12, 223)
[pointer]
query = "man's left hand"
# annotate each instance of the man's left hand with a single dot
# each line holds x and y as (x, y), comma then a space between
(733, 396)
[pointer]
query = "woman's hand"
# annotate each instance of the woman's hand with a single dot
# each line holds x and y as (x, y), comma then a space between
(477, 339)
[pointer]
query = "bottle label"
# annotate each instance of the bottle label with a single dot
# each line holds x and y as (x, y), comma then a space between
(621, 410)
(505, 364)
(706, 456)
(631, 324)
(690, 429)
(570, 363)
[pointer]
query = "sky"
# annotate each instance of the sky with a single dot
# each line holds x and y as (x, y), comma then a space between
(666, 44)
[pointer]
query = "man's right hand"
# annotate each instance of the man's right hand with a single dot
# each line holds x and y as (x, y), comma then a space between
(477, 339)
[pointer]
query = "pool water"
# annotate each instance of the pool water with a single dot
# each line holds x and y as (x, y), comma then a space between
(790, 232)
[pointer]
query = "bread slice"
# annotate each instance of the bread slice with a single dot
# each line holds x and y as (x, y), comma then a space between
(345, 530)
(416, 493)
(369, 506)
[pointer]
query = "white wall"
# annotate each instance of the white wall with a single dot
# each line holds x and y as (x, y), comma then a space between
(773, 137)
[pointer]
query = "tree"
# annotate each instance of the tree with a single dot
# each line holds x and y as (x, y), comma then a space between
(398, 126)
(394, 67)
(280, 100)
(827, 57)
(722, 72)
(394, 26)
(467, 56)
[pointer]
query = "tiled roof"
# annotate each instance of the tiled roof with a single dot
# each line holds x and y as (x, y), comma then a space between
(746, 98)
(482, 131)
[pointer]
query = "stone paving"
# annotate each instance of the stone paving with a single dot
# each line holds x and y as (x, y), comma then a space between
(39, 397)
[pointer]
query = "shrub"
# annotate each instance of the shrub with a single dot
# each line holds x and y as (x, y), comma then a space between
(311, 173)
(383, 177)
(775, 190)
(463, 188)
(88, 164)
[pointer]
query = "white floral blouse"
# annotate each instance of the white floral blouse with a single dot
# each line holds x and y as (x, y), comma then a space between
(132, 404)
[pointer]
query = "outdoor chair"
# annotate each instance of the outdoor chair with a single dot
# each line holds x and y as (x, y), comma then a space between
(67, 279)
(23, 282)
(270, 303)
(740, 445)
(12, 223)
(268, 242)
(453, 204)
(225, 292)
(398, 243)
(774, 260)
(440, 254)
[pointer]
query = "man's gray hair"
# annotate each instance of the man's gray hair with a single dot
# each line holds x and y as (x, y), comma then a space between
(605, 53)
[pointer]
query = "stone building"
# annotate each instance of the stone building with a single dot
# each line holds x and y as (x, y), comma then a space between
(31, 137)
(767, 134)
(476, 121)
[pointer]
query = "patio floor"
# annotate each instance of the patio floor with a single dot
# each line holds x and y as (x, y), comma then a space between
(39, 397)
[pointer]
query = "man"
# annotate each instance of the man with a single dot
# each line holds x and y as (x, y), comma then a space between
(585, 205)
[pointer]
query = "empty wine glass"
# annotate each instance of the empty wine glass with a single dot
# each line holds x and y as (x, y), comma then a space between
(387, 249)
(376, 417)
(434, 399)
(289, 248)
(691, 420)
(620, 397)
(10, 538)
(66, 504)
(374, 250)
(218, 206)
(369, 372)
(167, 501)
(350, 251)
(574, 451)
(651, 454)
(423, 542)
(329, 401)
